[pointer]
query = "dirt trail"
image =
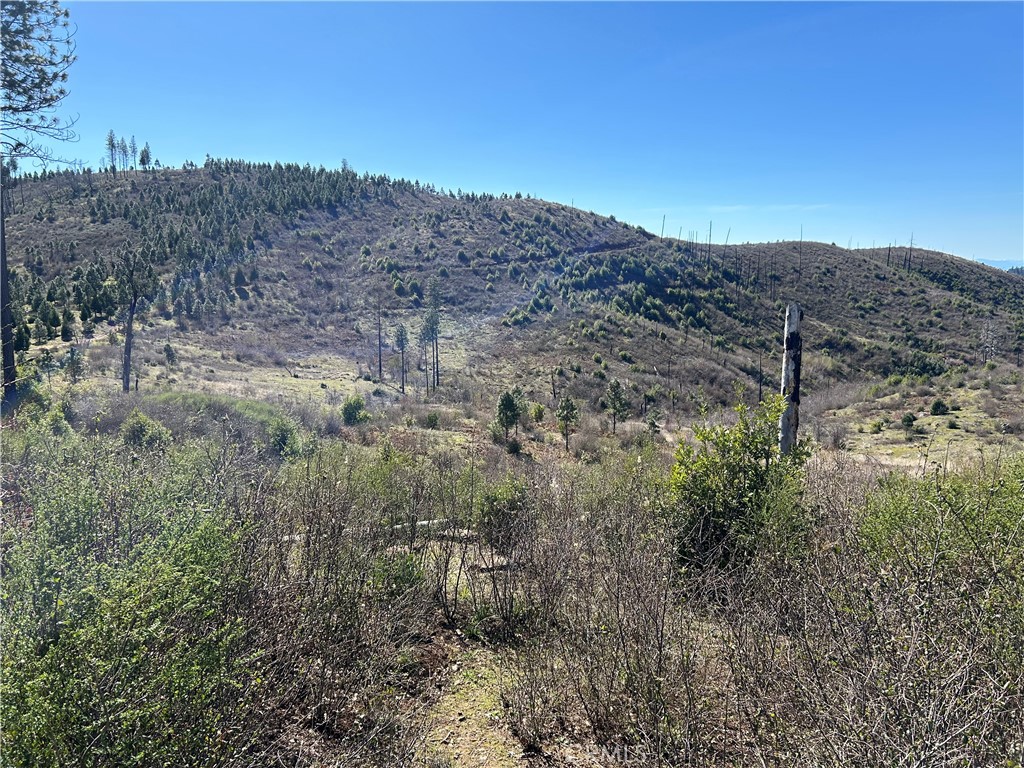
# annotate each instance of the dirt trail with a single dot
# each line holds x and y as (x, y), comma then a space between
(467, 724)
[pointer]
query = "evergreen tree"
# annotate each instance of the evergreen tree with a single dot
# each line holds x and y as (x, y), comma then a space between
(22, 338)
(428, 337)
(112, 149)
(138, 281)
(615, 402)
(427, 331)
(47, 364)
(567, 416)
(74, 365)
(145, 157)
(40, 332)
(434, 313)
(378, 305)
(521, 405)
(67, 324)
(122, 152)
(508, 412)
(38, 50)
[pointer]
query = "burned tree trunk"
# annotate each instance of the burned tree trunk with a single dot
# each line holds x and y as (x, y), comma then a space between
(791, 379)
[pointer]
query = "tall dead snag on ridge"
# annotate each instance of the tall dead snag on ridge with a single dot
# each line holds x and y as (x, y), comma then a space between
(791, 379)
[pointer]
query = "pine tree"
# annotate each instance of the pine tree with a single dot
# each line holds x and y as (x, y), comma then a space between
(145, 157)
(434, 313)
(427, 332)
(74, 365)
(137, 280)
(567, 416)
(378, 304)
(521, 404)
(508, 412)
(67, 324)
(122, 151)
(112, 149)
(615, 402)
(38, 50)
(428, 336)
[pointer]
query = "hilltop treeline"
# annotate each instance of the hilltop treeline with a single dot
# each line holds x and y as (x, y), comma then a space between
(285, 248)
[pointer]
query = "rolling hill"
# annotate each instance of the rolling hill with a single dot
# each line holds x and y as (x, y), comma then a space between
(268, 554)
(282, 269)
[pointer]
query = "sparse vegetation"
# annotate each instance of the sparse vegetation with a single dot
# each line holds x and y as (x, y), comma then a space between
(634, 603)
(238, 565)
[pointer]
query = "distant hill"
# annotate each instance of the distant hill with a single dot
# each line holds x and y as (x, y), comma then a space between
(276, 263)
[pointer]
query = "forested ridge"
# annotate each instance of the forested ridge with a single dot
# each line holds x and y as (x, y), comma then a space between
(295, 252)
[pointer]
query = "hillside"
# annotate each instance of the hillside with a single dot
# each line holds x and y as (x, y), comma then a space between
(282, 268)
(266, 554)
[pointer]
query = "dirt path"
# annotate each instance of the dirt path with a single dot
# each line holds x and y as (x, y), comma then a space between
(467, 722)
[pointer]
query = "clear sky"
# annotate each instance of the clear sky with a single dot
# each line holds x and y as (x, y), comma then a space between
(863, 123)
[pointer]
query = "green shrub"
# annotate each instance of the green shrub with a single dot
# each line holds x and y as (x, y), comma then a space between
(537, 412)
(56, 420)
(959, 523)
(283, 436)
(396, 575)
(939, 408)
(353, 411)
(505, 514)
(117, 648)
(143, 432)
(735, 493)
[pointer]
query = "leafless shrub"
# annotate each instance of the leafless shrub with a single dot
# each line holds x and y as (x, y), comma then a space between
(990, 406)
(534, 693)
(857, 659)
(453, 494)
(106, 359)
(622, 644)
(1013, 426)
(831, 435)
(259, 354)
(342, 596)
(831, 398)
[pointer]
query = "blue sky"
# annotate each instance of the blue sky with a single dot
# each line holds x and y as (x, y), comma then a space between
(861, 122)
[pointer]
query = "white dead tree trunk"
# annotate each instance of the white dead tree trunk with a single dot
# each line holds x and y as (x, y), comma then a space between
(791, 379)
